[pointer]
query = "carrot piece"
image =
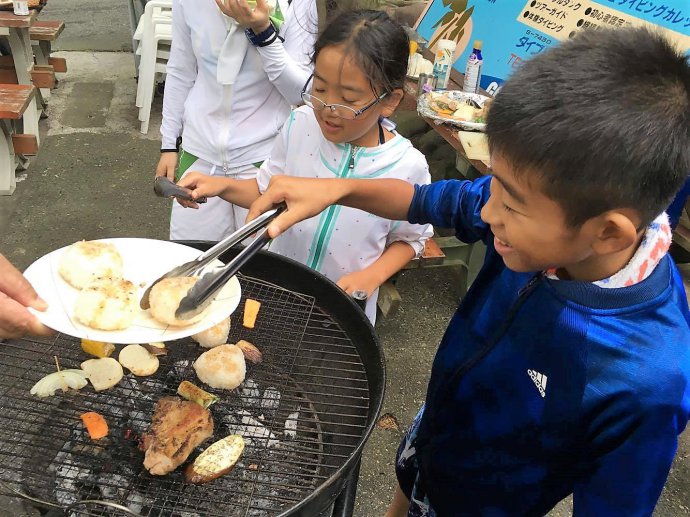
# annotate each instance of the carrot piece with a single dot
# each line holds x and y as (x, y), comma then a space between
(95, 424)
(251, 311)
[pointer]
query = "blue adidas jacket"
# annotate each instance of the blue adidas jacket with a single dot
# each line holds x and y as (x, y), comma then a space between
(544, 388)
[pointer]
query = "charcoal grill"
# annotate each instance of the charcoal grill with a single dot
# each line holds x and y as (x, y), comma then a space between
(307, 410)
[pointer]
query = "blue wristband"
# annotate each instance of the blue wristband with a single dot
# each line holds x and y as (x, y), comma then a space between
(264, 38)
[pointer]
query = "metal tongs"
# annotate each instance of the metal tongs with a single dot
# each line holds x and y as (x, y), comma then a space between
(163, 187)
(204, 291)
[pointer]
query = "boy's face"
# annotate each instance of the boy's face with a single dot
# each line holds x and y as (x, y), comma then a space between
(530, 229)
(339, 80)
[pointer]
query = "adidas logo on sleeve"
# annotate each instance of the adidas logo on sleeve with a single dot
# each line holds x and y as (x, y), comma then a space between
(539, 380)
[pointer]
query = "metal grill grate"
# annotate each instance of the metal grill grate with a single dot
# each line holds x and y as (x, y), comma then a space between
(304, 410)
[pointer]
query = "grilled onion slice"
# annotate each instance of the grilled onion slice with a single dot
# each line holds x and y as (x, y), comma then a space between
(62, 380)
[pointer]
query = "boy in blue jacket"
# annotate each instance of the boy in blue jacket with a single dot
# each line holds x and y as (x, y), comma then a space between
(566, 368)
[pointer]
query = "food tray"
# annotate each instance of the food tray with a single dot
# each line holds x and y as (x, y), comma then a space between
(425, 110)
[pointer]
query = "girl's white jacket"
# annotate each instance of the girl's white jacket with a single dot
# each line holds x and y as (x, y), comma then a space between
(225, 126)
(342, 240)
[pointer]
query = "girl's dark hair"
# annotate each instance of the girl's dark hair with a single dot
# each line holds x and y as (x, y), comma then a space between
(375, 41)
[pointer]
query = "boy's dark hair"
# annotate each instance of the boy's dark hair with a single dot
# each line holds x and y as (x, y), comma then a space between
(375, 41)
(604, 121)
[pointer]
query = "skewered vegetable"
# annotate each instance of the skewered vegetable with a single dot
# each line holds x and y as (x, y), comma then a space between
(62, 380)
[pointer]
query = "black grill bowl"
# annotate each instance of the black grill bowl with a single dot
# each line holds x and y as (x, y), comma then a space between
(320, 353)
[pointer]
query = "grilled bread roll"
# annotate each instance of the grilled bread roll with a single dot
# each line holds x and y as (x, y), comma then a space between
(221, 367)
(86, 261)
(165, 298)
(107, 304)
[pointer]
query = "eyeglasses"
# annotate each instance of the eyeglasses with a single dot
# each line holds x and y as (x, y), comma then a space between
(339, 110)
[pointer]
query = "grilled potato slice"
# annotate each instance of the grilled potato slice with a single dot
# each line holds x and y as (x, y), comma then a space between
(215, 461)
(138, 360)
(103, 373)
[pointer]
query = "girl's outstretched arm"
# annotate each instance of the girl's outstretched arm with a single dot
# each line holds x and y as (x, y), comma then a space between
(238, 192)
(393, 259)
(307, 197)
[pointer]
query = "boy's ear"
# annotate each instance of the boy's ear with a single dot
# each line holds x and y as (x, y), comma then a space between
(391, 101)
(616, 231)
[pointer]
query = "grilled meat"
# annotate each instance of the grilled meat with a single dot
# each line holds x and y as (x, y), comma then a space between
(177, 427)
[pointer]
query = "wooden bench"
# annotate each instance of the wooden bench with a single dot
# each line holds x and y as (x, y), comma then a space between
(15, 100)
(42, 76)
(438, 252)
(42, 34)
(681, 235)
(46, 30)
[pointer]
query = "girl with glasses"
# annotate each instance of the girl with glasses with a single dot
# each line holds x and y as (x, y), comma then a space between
(342, 131)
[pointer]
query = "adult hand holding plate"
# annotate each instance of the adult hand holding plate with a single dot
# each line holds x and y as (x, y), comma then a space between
(16, 295)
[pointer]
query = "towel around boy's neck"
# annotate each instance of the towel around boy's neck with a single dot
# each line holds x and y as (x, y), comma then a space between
(653, 247)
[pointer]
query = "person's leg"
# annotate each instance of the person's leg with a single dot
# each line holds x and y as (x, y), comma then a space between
(209, 223)
(406, 472)
(238, 215)
(399, 505)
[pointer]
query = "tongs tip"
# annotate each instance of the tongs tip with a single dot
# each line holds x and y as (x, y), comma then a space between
(163, 187)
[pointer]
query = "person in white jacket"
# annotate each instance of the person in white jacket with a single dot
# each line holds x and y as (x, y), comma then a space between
(342, 132)
(234, 72)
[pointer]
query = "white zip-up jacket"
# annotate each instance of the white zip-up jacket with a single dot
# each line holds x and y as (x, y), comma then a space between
(195, 106)
(342, 240)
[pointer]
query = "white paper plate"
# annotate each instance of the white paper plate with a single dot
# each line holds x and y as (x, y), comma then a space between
(425, 110)
(144, 261)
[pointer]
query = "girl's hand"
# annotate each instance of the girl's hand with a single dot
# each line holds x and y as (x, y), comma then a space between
(201, 185)
(167, 165)
(256, 19)
(304, 197)
(359, 281)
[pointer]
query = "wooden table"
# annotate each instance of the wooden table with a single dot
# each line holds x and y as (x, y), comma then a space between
(447, 131)
(445, 251)
(16, 30)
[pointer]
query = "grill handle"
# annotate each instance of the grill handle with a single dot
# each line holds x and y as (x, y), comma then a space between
(107, 504)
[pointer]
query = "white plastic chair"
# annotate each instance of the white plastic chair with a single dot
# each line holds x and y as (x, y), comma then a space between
(154, 33)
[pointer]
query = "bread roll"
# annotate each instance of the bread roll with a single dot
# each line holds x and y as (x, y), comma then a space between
(222, 367)
(215, 336)
(86, 261)
(107, 304)
(165, 298)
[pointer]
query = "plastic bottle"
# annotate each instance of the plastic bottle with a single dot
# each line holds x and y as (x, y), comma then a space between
(473, 71)
(444, 62)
